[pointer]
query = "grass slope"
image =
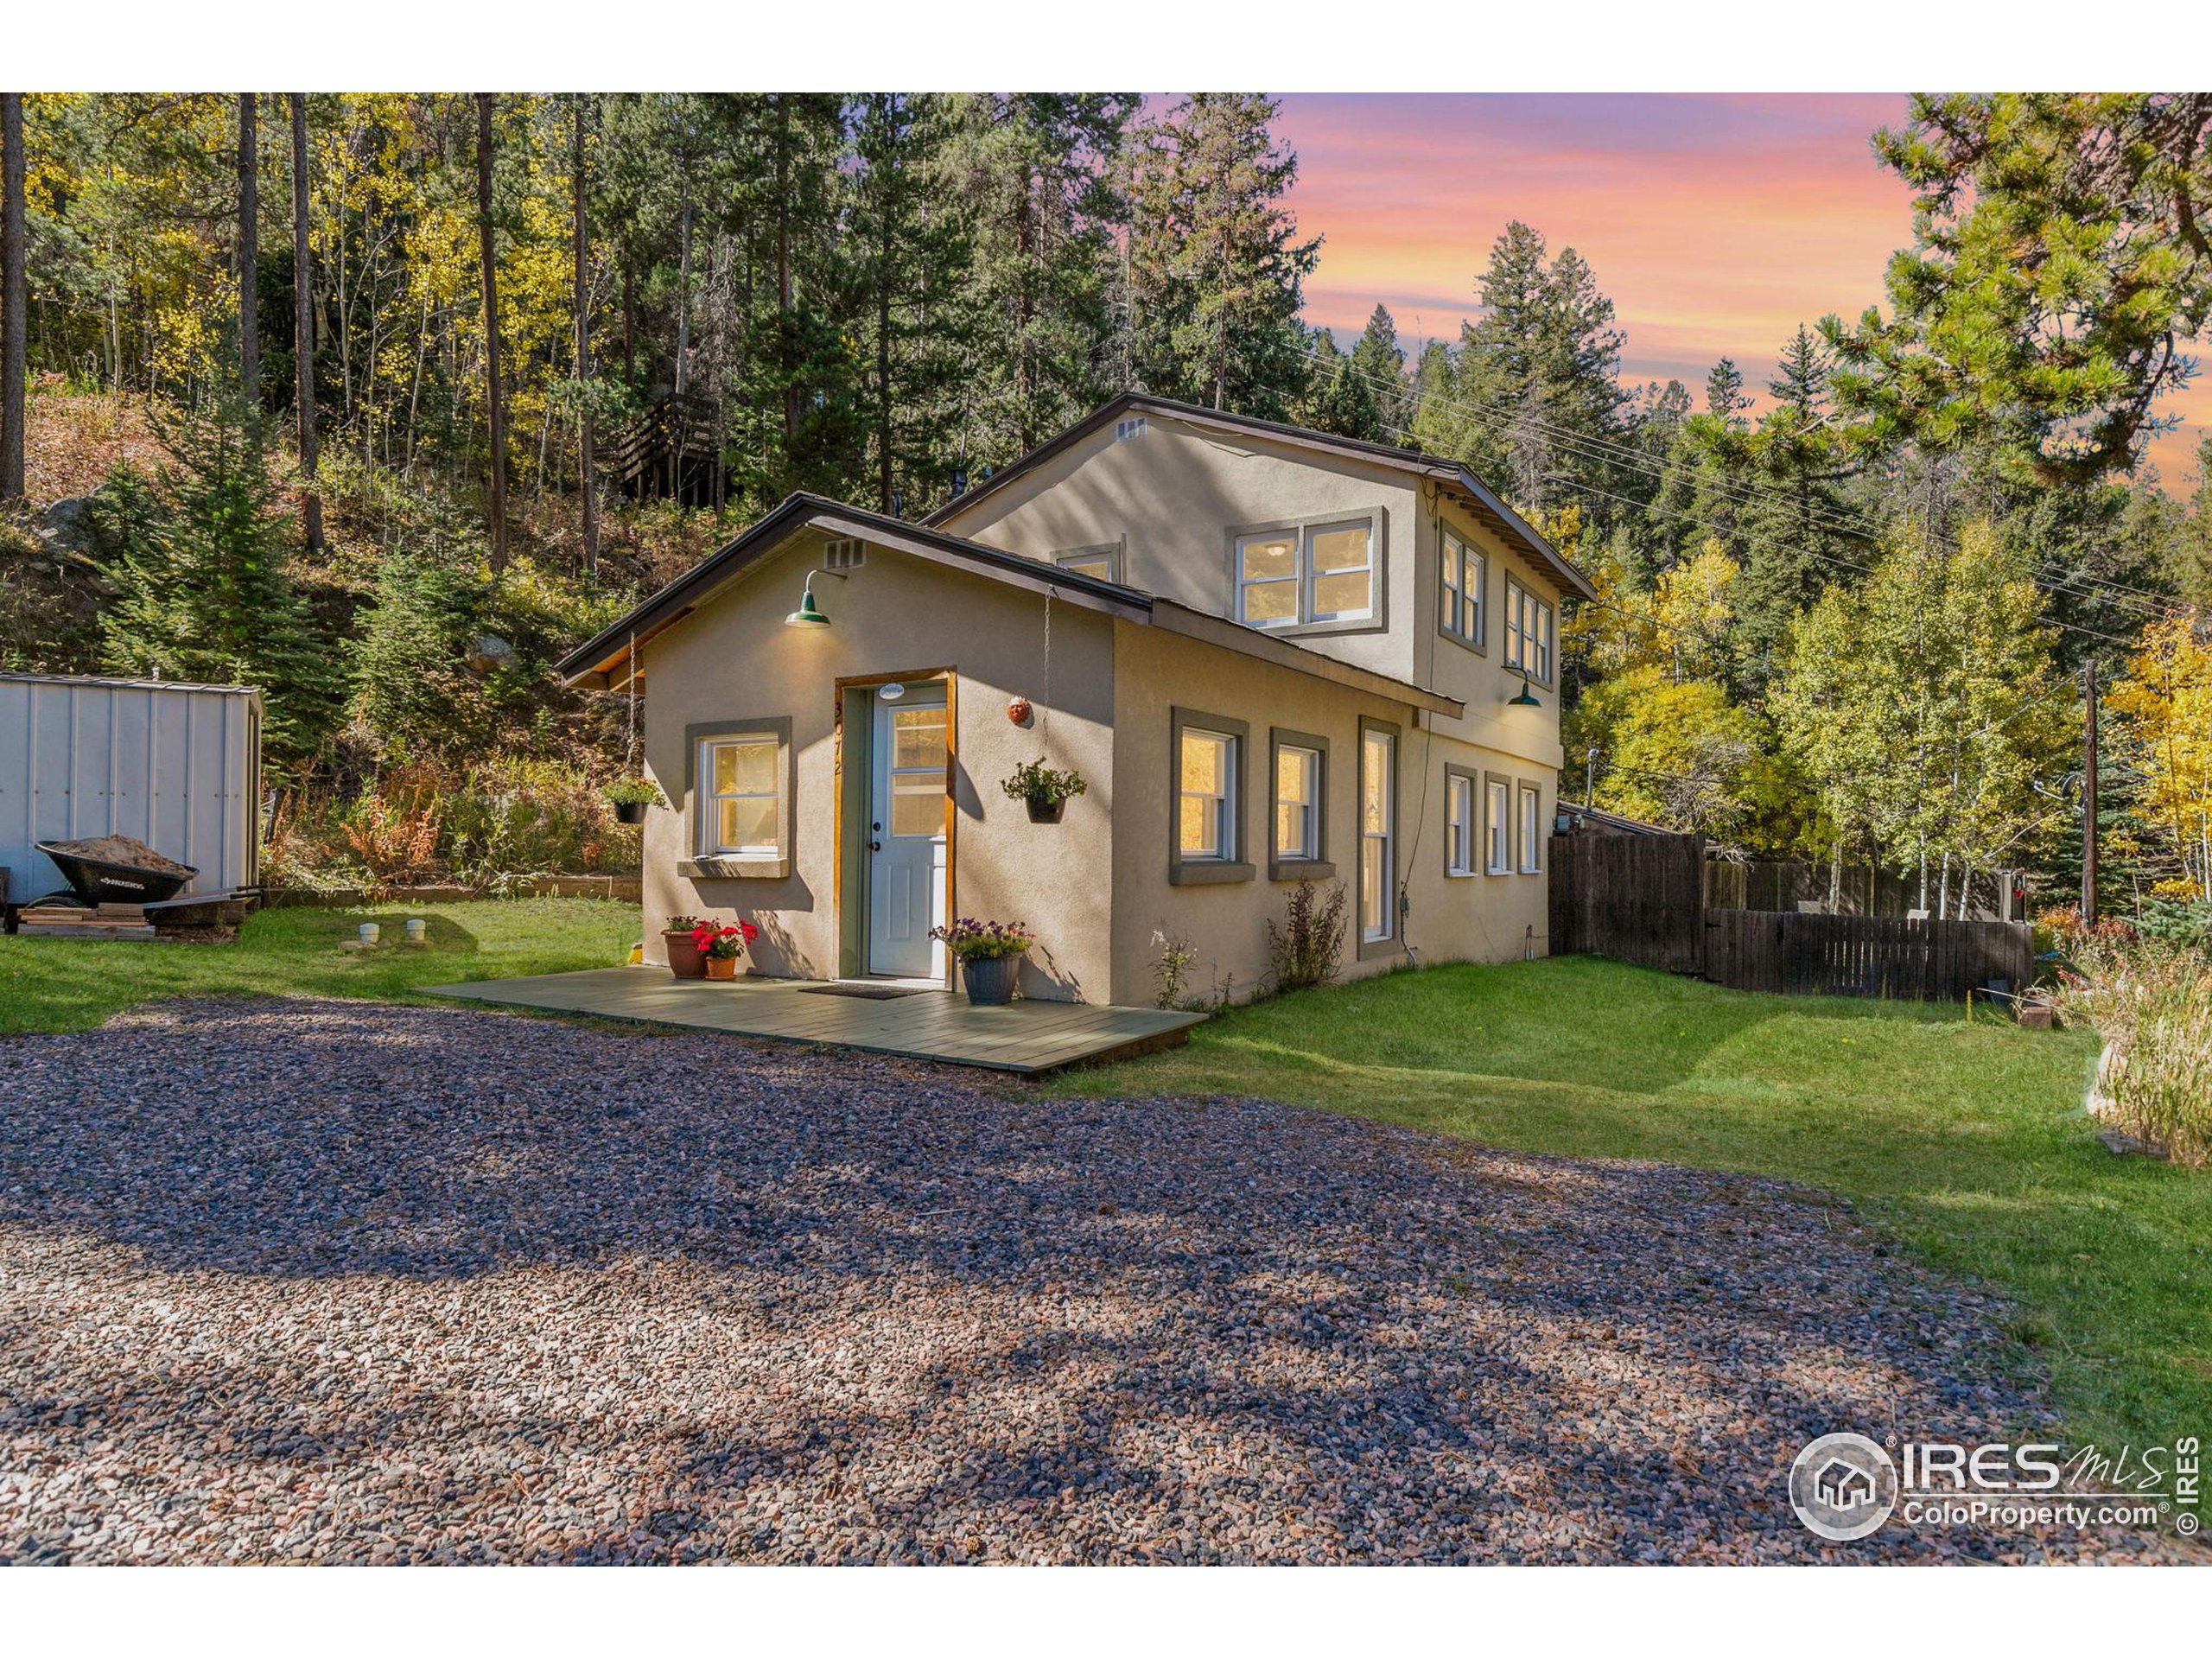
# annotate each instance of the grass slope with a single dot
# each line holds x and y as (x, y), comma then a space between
(73, 984)
(1965, 1139)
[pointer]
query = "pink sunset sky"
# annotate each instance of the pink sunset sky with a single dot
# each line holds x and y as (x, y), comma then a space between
(1716, 223)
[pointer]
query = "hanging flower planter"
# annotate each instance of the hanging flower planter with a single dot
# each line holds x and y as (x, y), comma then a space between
(1045, 791)
(630, 797)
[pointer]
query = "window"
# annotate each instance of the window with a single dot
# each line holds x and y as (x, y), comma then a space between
(918, 757)
(1466, 580)
(1103, 562)
(1206, 818)
(1298, 804)
(1135, 427)
(1527, 631)
(1498, 826)
(1378, 832)
(1306, 574)
(1532, 827)
(742, 809)
(1458, 825)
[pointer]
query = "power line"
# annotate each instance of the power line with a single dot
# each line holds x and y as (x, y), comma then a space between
(1606, 451)
(1603, 449)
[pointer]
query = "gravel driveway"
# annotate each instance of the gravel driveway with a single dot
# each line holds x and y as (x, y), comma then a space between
(330, 1282)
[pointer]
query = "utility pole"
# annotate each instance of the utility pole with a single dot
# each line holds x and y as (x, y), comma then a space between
(1589, 774)
(2089, 797)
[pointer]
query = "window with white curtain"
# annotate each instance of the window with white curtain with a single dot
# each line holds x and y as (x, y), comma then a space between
(1459, 826)
(1532, 828)
(1465, 578)
(1378, 830)
(1498, 826)
(1528, 632)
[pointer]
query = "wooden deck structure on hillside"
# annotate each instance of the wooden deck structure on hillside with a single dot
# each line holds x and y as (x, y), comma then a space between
(1029, 1037)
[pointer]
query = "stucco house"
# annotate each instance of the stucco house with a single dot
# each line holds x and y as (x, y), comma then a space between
(1272, 655)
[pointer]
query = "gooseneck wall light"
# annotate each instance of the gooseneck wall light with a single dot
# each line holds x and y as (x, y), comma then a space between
(809, 614)
(1525, 698)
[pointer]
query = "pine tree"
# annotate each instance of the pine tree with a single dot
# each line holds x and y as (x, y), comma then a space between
(1536, 391)
(910, 242)
(1035, 170)
(1216, 263)
(1380, 362)
(202, 588)
(1725, 397)
(1338, 397)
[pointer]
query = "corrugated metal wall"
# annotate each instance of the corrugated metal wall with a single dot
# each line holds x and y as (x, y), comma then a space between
(176, 767)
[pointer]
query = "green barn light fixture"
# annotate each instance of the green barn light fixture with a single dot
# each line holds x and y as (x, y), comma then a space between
(1525, 698)
(809, 614)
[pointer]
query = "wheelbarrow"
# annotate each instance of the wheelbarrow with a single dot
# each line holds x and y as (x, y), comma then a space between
(99, 882)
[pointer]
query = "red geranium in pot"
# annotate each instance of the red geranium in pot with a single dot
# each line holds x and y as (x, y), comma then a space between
(723, 948)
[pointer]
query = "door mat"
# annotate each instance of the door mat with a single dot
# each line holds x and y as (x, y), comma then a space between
(868, 993)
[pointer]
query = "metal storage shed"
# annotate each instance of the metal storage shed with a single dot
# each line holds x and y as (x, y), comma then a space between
(177, 766)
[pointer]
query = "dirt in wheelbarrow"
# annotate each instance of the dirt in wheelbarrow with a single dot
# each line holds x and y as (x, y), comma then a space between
(121, 849)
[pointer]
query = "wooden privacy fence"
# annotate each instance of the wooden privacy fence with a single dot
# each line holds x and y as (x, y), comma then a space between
(1642, 898)
(1802, 955)
(1637, 899)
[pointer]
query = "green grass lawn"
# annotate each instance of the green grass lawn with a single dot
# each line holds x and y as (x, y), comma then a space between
(73, 984)
(1965, 1139)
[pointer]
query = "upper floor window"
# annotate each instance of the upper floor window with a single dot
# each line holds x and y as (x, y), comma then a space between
(1103, 562)
(1465, 572)
(1307, 574)
(1528, 632)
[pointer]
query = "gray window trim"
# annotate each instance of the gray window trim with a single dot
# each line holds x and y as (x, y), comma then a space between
(1512, 806)
(1474, 778)
(1478, 642)
(1318, 867)
(1520, 865)
(1512, 584)
(1201, 872)
(701, 866)
(1114, 552)
(1374, 949)
(1378, 552)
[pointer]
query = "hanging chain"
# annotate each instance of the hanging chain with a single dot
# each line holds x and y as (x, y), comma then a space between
(630, 752)
(1045, 725)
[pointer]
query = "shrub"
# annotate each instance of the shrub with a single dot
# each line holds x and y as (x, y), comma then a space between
(1304, 949)
(2151, 999)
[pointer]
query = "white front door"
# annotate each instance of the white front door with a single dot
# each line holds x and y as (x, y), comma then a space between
(906, 860)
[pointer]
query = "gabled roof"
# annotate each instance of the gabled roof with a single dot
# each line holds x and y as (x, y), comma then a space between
(1450, 475)
(600, 657)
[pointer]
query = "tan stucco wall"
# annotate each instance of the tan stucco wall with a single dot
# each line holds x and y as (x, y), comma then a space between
(733, 659)
(1479, 678)
(1477, 918)
(1172, 497)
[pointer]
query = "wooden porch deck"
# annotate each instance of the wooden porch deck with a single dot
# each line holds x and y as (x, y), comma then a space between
(1024, 1037)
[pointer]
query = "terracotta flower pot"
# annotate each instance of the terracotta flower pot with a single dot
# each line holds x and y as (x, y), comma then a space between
(684, 959)
(990, 979)
(724, 967)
